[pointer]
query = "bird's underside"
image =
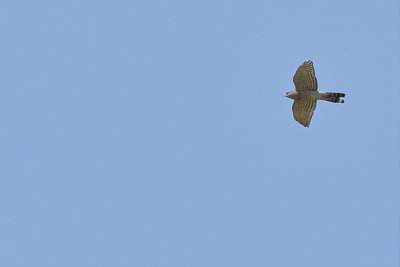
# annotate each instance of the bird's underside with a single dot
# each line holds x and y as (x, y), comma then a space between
(306, 95)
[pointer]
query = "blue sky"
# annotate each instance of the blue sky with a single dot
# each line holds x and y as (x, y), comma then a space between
(155, 133)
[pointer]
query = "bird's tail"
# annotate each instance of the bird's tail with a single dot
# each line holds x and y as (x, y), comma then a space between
(332, 97)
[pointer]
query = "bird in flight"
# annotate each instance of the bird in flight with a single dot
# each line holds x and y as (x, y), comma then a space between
(306, 95)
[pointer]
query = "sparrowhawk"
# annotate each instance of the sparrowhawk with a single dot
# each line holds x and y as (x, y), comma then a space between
(306, 95)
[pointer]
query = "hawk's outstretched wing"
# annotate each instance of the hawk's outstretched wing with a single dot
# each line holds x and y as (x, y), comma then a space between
(303, 111)
(304, 78)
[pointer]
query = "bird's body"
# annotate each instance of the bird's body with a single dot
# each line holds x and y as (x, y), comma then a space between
(306, 95)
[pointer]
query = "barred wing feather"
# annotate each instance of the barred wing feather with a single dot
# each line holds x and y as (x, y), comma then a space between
(304, 78)
(303, 111)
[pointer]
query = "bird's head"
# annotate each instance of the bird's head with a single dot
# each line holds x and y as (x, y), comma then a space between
(290, 94)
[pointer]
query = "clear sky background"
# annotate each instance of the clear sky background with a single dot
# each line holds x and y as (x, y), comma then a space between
(155, 133)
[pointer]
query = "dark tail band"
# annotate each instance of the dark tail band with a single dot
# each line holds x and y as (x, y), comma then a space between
(335, 97)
